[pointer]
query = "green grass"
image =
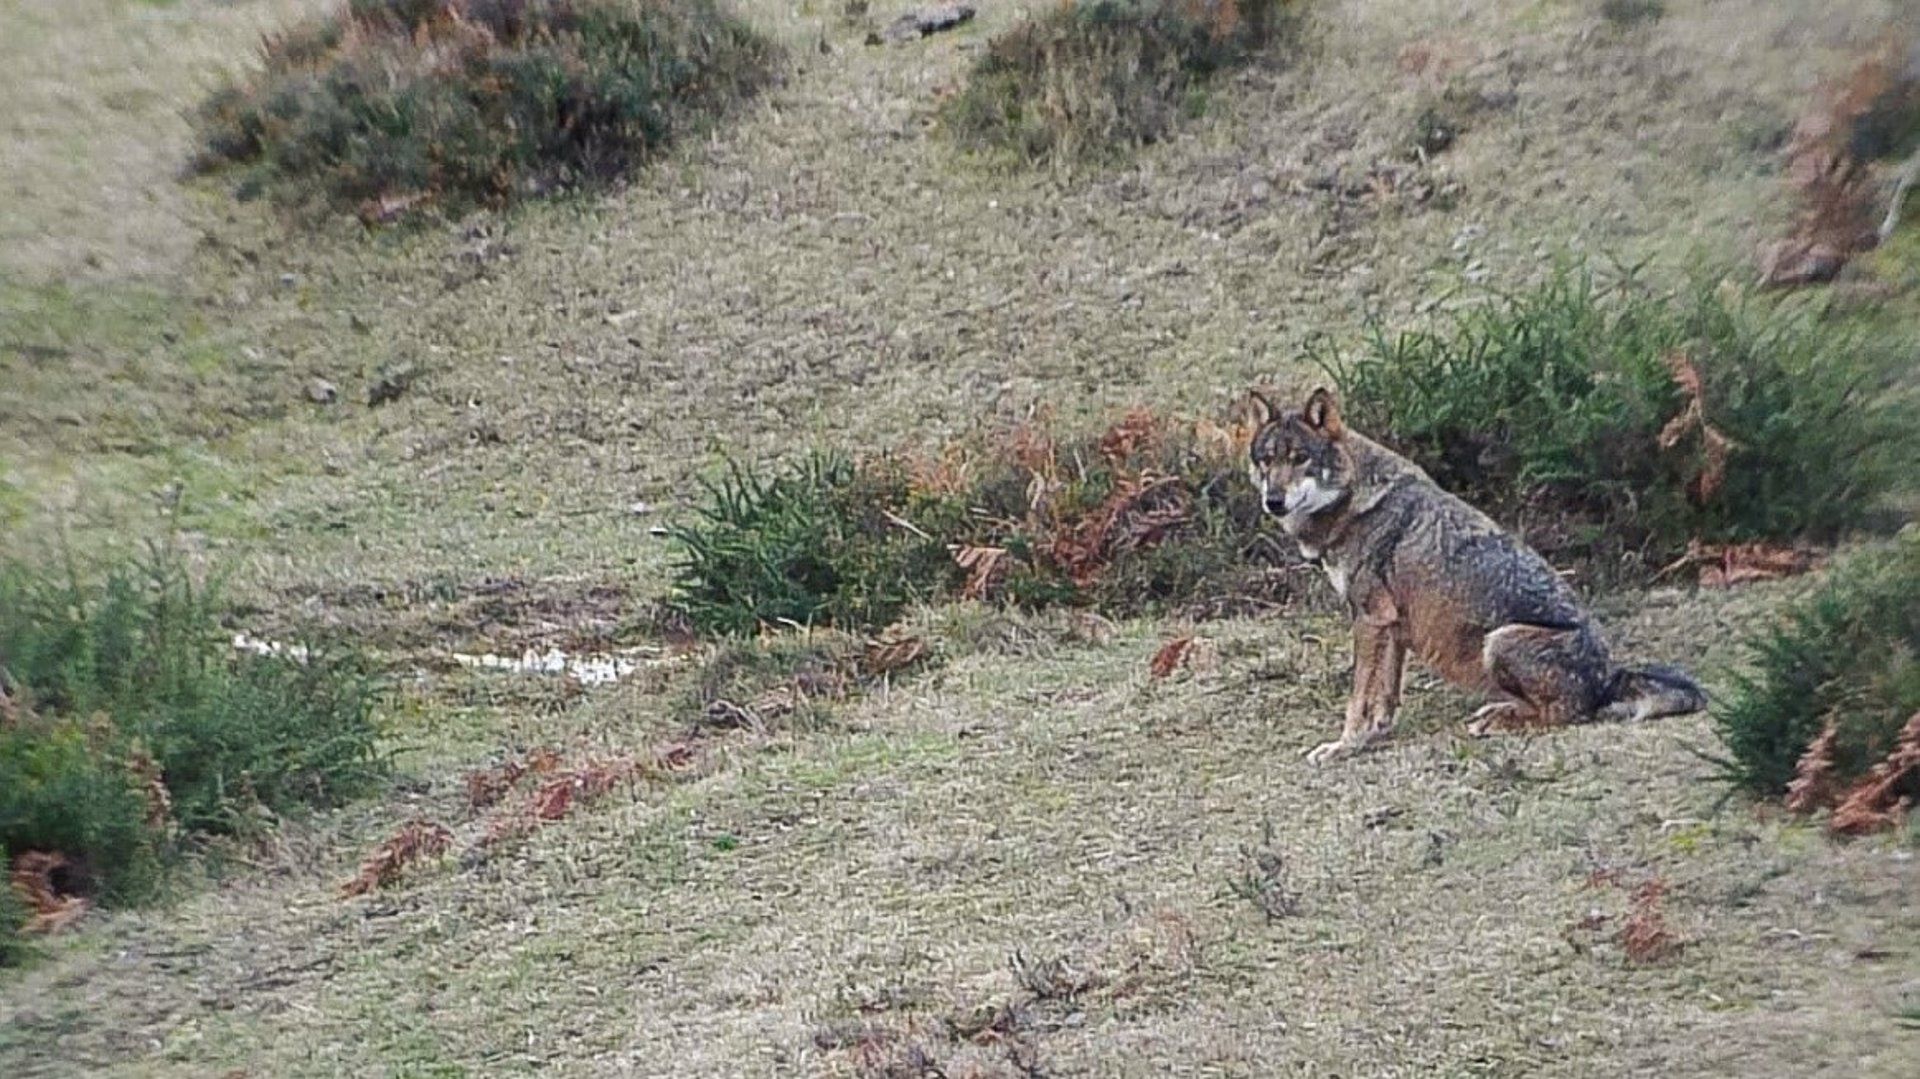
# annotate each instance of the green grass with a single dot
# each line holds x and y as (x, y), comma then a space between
(1849, 655)
(395, 102)
(123, 676)
(1548, 407)
(1091, 79)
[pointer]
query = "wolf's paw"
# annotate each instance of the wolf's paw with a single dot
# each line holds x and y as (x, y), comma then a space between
(1327, 752)
(1490, 719)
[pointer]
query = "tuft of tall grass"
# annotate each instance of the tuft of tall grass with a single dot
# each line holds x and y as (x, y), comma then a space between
(391, 104)
(1627, 13)
(817, 543)
(1090, 79)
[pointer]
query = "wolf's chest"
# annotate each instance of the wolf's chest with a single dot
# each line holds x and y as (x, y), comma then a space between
(1336, 573)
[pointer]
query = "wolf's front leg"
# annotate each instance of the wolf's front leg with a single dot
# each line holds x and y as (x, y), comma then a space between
(1377, 657)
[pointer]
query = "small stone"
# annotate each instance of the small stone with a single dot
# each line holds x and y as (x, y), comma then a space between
(641, 508)
(322, 392)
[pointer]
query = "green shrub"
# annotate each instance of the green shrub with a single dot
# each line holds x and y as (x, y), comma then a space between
(1088, 79)
(1548, 409)
(1850, 653)
(395, 102)
(67, 786)
(807, 545)
(1141, 517)
(130, 680)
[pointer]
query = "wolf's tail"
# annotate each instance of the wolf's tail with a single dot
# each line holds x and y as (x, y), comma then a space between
(1636, 693)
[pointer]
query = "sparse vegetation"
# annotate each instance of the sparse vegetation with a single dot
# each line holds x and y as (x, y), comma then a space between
(128, 716)
(392, 104)
(1829, 689)
(1612, 421)
(1092, 78)
(1150, 513)
(1262, 878)
(1632, 12)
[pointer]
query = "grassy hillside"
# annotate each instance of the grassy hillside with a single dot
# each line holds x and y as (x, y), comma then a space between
(1027, 854)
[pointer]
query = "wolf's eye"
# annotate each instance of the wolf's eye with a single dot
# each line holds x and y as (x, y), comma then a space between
(1296, 458)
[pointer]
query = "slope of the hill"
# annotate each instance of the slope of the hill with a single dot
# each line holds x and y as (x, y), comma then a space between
(1034, 856)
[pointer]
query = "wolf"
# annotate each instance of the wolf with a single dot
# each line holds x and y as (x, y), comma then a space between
(1424, 573)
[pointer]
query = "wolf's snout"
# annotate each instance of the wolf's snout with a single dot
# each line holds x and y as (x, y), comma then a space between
(1277, 506)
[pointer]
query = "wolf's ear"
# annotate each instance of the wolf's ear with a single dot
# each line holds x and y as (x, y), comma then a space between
(1323, 413)
(1264, 410)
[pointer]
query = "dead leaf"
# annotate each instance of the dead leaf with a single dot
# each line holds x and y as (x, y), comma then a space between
(1138, 430)
(1645, 935)
(1170, 657)
(986, 570)
(485, 786)
(1812, 785)
(417, 840)
(1726, 565)
(387, 209)
(674, 756)
(35, 878)
(1140, 512)
(146, 771)
(1715, 447)
(1873, 804)
(894, 651)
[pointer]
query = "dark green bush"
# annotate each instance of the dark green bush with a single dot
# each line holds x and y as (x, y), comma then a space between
(1850, 653)
(394, 102)
(1089, 79)
(1547, 408)
(132, 677)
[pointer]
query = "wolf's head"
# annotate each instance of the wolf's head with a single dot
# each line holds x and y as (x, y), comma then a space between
(1299, 459)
